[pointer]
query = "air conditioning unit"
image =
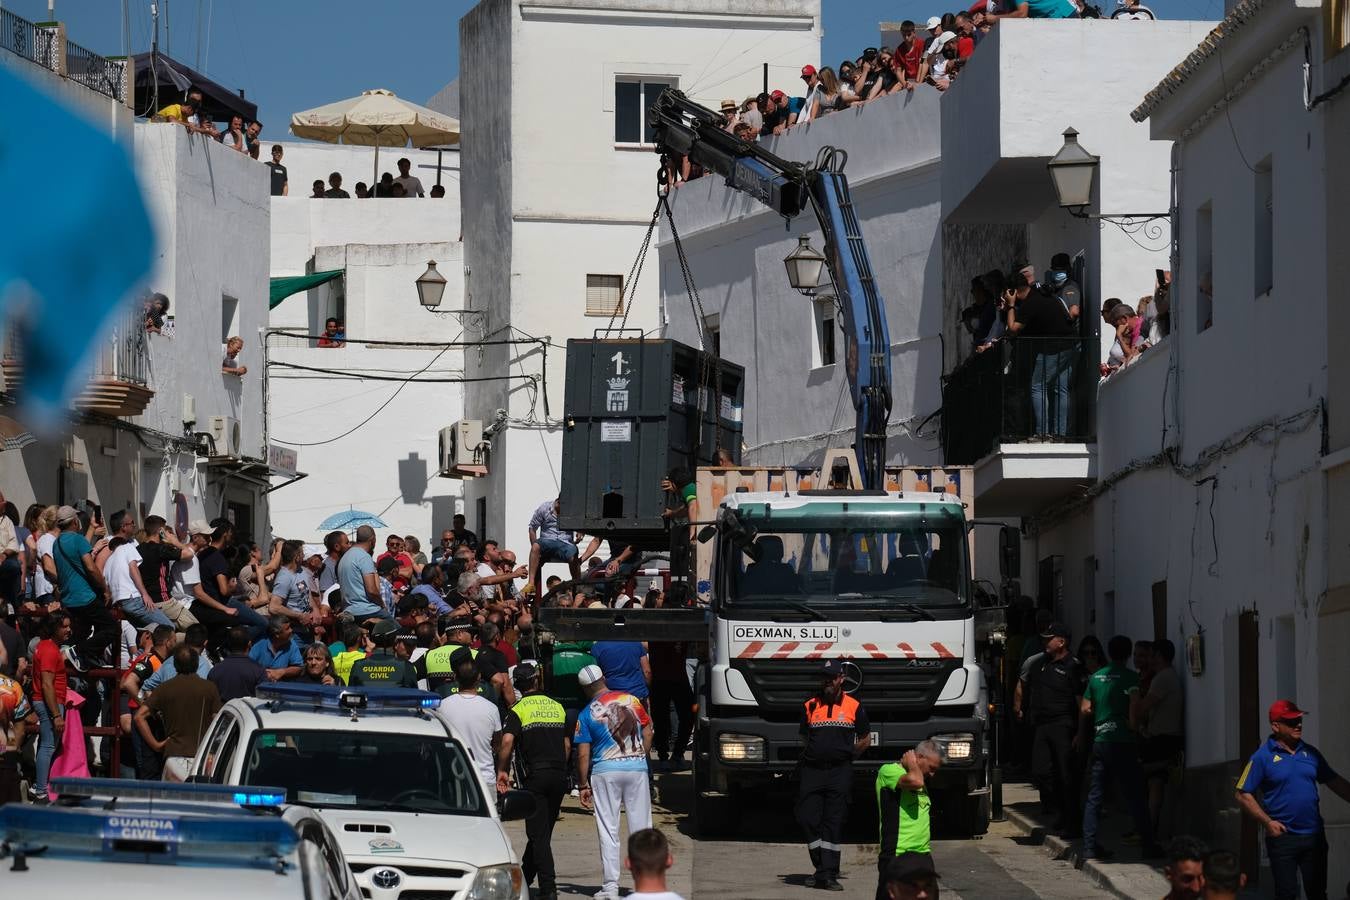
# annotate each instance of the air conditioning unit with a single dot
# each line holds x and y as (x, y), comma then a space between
(225, 435)
(463, 453)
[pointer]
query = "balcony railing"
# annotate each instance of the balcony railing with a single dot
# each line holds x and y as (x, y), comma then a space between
(47, 46)
(1014, 391)
(98, 73)
(120, 381)
(22, 37)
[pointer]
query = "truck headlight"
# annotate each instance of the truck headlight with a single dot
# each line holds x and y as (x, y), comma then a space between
(740, 747)
(955, 747)
(496, 883)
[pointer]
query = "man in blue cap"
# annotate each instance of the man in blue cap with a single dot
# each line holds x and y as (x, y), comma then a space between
(835, 730)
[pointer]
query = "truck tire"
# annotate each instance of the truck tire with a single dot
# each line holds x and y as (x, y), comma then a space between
(971, 817)
(715, 815)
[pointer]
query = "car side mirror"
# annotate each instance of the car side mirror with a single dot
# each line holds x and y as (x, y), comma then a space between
(516, 805)
(707, 533)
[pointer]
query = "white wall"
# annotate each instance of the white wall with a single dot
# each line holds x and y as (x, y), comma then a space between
(736, 248)
(210, 209)
(549, 197)
(1234, 517)
(388, 465)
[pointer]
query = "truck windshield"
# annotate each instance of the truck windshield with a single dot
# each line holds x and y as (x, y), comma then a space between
(365, 770)
(850, 560)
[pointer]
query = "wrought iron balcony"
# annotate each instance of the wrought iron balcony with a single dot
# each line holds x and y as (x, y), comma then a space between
(119, 383)
(1012, 393)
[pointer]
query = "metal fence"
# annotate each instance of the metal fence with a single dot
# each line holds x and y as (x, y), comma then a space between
(96, 72)
(22, 37)
(1020, 388)
(39, 44)
(125, 354)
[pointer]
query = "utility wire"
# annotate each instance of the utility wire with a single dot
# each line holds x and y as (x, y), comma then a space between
(377, 411)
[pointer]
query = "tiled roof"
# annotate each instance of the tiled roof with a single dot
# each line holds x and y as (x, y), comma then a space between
(1243, 13)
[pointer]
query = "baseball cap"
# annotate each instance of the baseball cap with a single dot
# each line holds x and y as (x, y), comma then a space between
(832, 667)
(933, 22)
(383, 628)
(729, 104)
(200, 526)
(589, 675)
(66, 514)
(908, 866)
(1284, 709)
(1056, 629)
(778, 95)
(808, 70)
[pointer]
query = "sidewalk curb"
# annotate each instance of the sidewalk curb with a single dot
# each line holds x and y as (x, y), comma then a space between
(1058, 848)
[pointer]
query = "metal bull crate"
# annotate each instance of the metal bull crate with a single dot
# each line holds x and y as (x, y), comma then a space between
(635, 408)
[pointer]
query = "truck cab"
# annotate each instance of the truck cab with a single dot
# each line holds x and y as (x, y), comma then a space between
(878, 579)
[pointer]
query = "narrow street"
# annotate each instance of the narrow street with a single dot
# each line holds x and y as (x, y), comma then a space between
(765, 862)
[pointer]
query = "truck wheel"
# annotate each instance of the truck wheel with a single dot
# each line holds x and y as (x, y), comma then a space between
(715, 815)
(972, 815)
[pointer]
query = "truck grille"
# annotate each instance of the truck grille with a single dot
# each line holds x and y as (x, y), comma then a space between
(891, 688)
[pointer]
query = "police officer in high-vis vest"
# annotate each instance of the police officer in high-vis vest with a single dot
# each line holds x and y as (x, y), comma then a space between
(535, 728)
(835, 729)
(435, 665)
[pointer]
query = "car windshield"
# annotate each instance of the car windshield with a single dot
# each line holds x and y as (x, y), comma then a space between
(367, 770)
(851, 559)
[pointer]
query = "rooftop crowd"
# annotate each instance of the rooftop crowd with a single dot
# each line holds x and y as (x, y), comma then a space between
(244, 136)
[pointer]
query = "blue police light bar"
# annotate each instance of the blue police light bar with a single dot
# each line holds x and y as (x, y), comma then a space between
(125, 789)
(323, 696)
(146, 836)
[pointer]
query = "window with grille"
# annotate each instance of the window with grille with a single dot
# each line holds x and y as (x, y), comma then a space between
(604, 295)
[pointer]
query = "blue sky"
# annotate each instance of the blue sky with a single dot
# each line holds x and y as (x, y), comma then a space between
(290, 55)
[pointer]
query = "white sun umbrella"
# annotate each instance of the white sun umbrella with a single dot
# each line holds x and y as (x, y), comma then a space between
(376, 119)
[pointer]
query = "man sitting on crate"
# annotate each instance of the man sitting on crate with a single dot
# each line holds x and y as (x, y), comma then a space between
(551, 544)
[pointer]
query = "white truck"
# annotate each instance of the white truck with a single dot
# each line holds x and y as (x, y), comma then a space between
(789, 575)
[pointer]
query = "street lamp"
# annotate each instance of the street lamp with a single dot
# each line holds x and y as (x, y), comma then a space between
(430, 286)
(803, 266)
(1072, 171)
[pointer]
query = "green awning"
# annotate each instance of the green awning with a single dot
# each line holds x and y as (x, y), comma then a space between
(286, 285)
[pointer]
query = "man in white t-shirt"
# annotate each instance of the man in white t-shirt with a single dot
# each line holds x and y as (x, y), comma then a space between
(122, 572)
(474, 718)
(412, 185)
(648, 859)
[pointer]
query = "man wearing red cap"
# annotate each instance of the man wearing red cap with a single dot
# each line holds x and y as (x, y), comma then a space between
(812, 93)
(1287, 771)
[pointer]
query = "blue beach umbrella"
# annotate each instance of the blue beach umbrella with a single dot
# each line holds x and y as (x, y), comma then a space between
(350, 520)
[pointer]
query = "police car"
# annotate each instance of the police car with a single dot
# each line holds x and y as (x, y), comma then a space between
(391, 779)
(174, 839)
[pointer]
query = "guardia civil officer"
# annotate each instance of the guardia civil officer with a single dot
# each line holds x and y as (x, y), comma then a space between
(535, 728)
(835, 730)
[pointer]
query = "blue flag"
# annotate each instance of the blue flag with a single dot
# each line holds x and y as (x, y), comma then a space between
(73, 253)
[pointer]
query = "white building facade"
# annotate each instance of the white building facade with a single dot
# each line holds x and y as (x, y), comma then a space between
(160, 429)
(1236, 526)
(559, 185)
(364, 419)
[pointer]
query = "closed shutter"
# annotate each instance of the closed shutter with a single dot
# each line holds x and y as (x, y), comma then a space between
(604, 295)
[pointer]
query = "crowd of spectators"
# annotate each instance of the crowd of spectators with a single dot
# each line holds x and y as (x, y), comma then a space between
(932, 56)
(244, 136)
(79, 594)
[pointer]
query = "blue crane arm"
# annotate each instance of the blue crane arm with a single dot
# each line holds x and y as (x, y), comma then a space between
(685, 128)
